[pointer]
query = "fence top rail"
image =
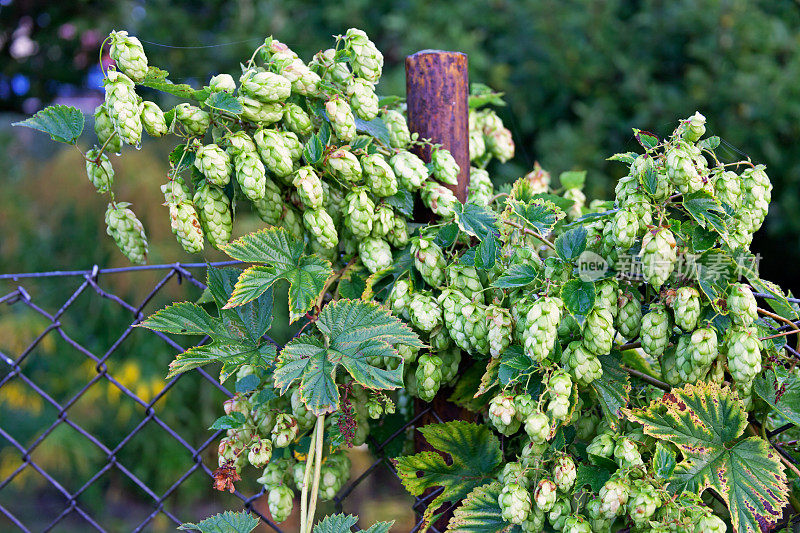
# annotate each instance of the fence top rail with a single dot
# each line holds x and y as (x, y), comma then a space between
(95, 270)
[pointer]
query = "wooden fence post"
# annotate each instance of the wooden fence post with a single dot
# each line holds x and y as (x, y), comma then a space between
(437, 92)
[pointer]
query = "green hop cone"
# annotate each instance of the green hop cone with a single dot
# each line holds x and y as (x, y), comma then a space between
(710, 523)
(608, 295)
(128, 53)
(379, 175)
(265, 86)
(424, 311)
(515, 503)
(293, 144)
(744, 353)
(214, 164)
(703, 347)
(305, 418)
(513, 472)
(613, 496)
(444, 166)
(658, 256)
(629, 318)
(694, 127)
(728, 188)
(642, 503)
(686, 308)
(360, 212)
(284, 431)
(297, 120)
(477, 145)
(153, 119)
(577, 524)
(183, 218)
(320, 225)
(344, 166)
(524, 406)
(564, 473)
(274, 152)
(375, 254)
(625, 228)
(324, 63)
(304, 80)
(429, 376)
(757, 194)
(270, 207)
(465, 279)
(742, 306)
(104, 128)
(409, 169)
(260, 453)
(280, 501)
(655, 331)
(341, 118)
(214, 209)
(399, 136)
(642, 209)
(598, 331)
(365, 58)
(429, 260)
(399, 298)
(127, 232)
(251, 175)
(238, 142)
(537, 426)
(363, 99)
(583, 365)
(683, 169)
(383, 221)
(123, 107)
(195, 120)
(603, 445)
(309, 187)
(99, 170)
(542, 327)
(439, 199)
(451, 359)
(222, 83)
(501, 329)
(274, 474)
(481, 190)
(260, 112)
(626, 453)
(502, 414)
(544, 496)
(500, 143)
(398, 234)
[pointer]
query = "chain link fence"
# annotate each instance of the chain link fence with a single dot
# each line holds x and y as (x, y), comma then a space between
(200, 457)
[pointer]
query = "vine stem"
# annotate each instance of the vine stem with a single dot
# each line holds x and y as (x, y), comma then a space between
(529, 231)
(320, 433)
(648, 378)
(306, 478)
(781, 319)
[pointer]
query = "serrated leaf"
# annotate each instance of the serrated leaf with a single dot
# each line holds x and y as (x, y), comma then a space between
(186, 318)
(283, 258)
(376, 128)
(778, 302)
(516, 367)
(706, 422)
(475, 456)
(664, 461)
(446, 235)
(518, 275)
(231, 421)
(232, 357)
(475, 220)
(788, 405)
(380, 283)
(714, 269)
(252, 319)
(402, 202)
(62, 123)
(481, 95)
(480, 512)
(336, 523)
(306, 359)
(571, 244)
(645, 138)
(540, 214)
(612, 389)
(572, 179)
(313, 150)
(349, 323)
(352, 283)
(227, 522)
(182, 157)
(247, 384)
(702, 239)
(223, 101)
(156, 78)
(710, 143)
(649, 178)
(486, 253)
(627, 157)
(592, 475)
(380, 527)
(706, 210)
(578, 296)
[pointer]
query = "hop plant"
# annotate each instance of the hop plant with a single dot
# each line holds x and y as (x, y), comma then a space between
(465, 279)
(655, 331)
(123, 108)
(270, 208)
(375, 254)
(444, 166)
(365, 58)
(297, 120)
(184, 222)
(542, 327)
(627, 454)
(658, 256)
(360, 211)
(537, 426)
(583, 365)
(399, 135)
(424, 310)
(515, 503)
(686, 308)
(309, 187)
(728, 188)
(409, 169)
(502, 414)
(614, 496)
(629, 318)
(105, 131)
(642, 503)
(379, 175)
(128, 53)
(341, 116)
(363, 99)
(195, 120)
(280, 501)
(222, 83)
(598, 331)
(564, 473)
(682, 167)
(429, 260)
(428, 376)
(214, 209)
(265, 86)
(273, 151)
(577, 524)
(153, 120)
(439, 199)
(608, 296)
(320, 225)
(625, 228)
(481, 190)
(99, 170)
(293, 144)
(383, 221)
(744, 353)
(344, 166)
(501, 329)
(285, 430)
(127, 232)
(603, 445)
(399, 299)
(545, 495)
(742, 306)
(260, 112)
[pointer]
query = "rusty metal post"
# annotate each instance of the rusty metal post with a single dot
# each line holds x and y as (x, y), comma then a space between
(437, 92)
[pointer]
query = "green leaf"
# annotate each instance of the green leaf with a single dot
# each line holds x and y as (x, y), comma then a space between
(481, 95)
(252, 319)
(447, 235)
(706, 210)
(572, 179)
(390, 101)
(402, 202)
(352, 283)
(313, 150)
(706, 423)
(227, 522)
(650, 178)
(788, 405)
(349, 323)
(516, 276)
(714, 270)
(182, 157)
(486, 253)
(475, 456)
(664, 461)
(156, 78)
(480, 512)
(702, 239)
(186, 318)
(468, 390)
(645, 138)
(475, 220)
(247, 384)
(539, 214)
(778, 302)
(710, 143)
(380, 527)
(516, 367)
(283, 258)
(223, 101)
(375, 127)
(231, 421)
(62, 123)
(571, 244)
(627, 157)
(306, 359)
(578, 296)
(612, 389)
(594, 476)
(336, 523)
(232, 357)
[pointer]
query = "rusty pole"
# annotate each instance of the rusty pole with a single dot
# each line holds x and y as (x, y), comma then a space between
(437, 92)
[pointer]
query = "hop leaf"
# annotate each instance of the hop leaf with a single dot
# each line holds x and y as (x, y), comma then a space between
(227, 522)
(62, 123)
(480, 512)
(706, 423)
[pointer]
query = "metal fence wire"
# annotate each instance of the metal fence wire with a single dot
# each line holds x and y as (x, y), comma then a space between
(91, 282)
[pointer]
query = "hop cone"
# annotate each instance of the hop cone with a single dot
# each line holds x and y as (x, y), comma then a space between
(742, 306)
(297, 120)
(481, 189)
(325, 64)
(703, 347)
(613, 497)
(280, 501)
(545, 495)
(360, 211)
(309, 187)
(260, 112)
(365, 58)
(655, 331)
(265, 86)
(399, 298)
(104, 128)
(194, 119)
(542, 327)
(399, 136)
(222, 83)
(757, 194)
(658, 256)
(273, 151)
(383, 221)
(445, 168)
(694, 127)
(375, 254)
(344, 165)
(439, 199)
(629, 318)
(153, 119)
(214, 209)
(424, 310)
(363, 99)
(123, 108)
(379, 175)
(643, 503)
(304, 80)
(99, 170)
(270, 207)
(642, 209)
(429, 260)
(341, 117)
(744, 353)
(320, 224)
(515, 503)
(501, 329)
(410, 170)
(214, 163)
(500, 143)
(625, 228)
(128, 53)
(728, 188)
(686, 308)
(238, 142)
(127, 232)
(682, 170)
(293, 144)
(502, 414)
(183, 218)
(398, 234)
(451, 359)
(598, 331)
(250, 174)
(583, 365)
(429, 376)
(465, 279)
